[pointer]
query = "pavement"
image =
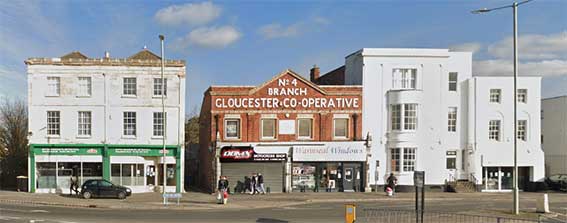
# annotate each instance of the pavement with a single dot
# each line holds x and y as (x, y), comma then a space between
(294, 207)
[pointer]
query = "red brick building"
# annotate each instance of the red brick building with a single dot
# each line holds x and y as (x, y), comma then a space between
(299, 135)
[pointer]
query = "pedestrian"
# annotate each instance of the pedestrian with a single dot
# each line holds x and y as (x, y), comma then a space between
(255, 184)
(251, 183)
(392, 182)
(222, 195)
(73, 185)
(261, 184)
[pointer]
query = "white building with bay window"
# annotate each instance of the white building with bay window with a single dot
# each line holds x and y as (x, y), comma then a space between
(426, 111)
(101, 118)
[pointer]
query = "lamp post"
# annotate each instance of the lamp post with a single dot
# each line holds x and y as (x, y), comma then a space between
(514, 7)
(164, 151)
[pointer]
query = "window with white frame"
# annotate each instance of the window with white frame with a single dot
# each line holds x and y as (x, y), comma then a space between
(53, 123)
(304, 128)
(403, 159)
(85, 122)
(268, 128)
(494, 130)
(340, 126)
(451, 160)
(522, 95)
(396, 116)
(85, 87)
(410, 116)
(159, 87)
(129, 124)
(452, 119)
(522, 129)
(409, 159)
(404, 78)
(232, 128)
(53, 86)
(453, 77)
(129, 86)
(159, 123)
(495, 95)
(403, 117)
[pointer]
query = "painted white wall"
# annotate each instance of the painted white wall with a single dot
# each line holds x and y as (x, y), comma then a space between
(554, 131)
(106, 103)
(373, 69)
(487, 152)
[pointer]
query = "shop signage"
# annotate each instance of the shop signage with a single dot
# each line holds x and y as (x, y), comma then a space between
(67, 151)
(332, 151)
(287, 94)
(140, 152)
(247, 154)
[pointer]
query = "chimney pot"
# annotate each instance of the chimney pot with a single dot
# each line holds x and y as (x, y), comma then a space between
(314, 73)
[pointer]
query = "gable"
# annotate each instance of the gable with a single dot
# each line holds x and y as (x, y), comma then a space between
(288, 83)
(145, 55)
(74, 55)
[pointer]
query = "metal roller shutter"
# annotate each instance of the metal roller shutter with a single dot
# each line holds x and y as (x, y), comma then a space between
(272, 172)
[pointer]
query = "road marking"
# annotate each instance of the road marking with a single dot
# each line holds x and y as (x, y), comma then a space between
(9, 218)
(39, 211)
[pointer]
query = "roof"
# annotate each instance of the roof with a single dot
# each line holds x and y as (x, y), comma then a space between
(145, 54)
(143, 58)
(74, 55)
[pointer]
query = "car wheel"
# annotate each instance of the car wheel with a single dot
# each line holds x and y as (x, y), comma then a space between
(87, 195)
(121, 195)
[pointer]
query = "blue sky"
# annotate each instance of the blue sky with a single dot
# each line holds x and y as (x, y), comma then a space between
(247, 42)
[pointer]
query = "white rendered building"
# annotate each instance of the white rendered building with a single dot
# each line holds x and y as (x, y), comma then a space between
(102, 118)
(426, 111)
(554, 134)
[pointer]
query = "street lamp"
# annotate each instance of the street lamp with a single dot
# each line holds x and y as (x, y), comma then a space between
(514, 7)
(164, 166)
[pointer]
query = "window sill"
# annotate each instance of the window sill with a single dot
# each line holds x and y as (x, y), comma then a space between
(129, 96)
(52, 96)
(83, 137)
(128, 137)
(305, 139)
(84, 96)
(269, 139)
(159, 97)
(232, 139)
(53, 137)
(157, 137)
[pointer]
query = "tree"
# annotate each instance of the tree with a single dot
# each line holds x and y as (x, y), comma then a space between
(192, 129)
(13, 141)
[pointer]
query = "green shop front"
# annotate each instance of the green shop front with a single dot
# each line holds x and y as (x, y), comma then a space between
(139, 167)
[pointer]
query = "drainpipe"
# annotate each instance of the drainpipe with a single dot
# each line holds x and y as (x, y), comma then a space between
(216, 162)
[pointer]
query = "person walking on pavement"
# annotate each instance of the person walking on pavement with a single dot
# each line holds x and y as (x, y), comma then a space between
(251, 184)
(392, 182)
(256, 184)
(223, 190)
(73, 185)
(261, 184)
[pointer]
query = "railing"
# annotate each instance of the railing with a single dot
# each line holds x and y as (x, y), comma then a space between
(473, 179)
(409, 216)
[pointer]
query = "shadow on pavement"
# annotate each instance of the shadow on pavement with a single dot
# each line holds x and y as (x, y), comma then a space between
(269, 220)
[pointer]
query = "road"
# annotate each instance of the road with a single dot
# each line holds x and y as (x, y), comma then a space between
(315, 212)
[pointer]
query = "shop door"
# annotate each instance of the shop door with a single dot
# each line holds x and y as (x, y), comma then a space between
(272, 172)
(150, 175)
(349, 176)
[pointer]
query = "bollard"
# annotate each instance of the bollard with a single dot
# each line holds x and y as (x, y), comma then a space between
(350, 213)
(542, 205)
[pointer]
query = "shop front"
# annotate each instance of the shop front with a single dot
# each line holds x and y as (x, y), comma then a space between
(329, 167)
(500, 178)
(139, 167)
(239, 163)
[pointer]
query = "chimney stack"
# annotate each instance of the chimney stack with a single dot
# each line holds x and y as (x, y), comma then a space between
(314, 73)
(106, 55)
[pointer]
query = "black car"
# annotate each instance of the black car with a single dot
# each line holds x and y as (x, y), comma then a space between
(104, 188)
(557, 182)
